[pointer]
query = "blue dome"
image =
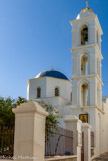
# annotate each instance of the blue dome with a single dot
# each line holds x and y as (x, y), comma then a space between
(52, 73)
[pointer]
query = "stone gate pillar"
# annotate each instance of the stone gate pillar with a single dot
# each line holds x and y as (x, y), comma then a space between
(74, 124)
(86, 128)
(29, 141)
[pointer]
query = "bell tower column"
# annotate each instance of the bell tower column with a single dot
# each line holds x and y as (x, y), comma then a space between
(86, 73)
(86, 60)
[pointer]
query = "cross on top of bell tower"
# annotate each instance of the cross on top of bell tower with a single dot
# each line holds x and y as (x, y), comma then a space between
(86, 4)
(86, 9)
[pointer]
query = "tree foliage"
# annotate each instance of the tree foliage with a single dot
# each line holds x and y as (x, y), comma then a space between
(7, 117)
(52, 119)
(20, 100)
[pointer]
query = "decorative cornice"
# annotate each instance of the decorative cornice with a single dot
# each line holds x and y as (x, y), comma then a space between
(82, 19)
(88, 18)
(87, 76)
(83, 76)
(87, 108)
(82, 47)
(85, 47)
(46, 78)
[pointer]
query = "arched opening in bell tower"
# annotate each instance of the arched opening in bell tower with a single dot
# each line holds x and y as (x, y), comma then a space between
(99, 67)
(84, 94)
(84, 35)
(84, 64)
(99, 95)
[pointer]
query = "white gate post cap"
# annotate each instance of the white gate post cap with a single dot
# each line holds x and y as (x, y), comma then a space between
(30, 107)
(86, 125)
(72, 118)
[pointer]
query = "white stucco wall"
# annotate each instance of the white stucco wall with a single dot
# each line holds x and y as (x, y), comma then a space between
(64, 86)
(32, 85)
(55, 101)
(48, 85)
(104, 127)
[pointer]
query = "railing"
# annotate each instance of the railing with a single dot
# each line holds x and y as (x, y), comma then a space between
(6, 141)
(61, 143)
(92, 139)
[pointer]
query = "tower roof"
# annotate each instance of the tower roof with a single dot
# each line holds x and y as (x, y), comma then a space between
(85, 12)
(52, 73)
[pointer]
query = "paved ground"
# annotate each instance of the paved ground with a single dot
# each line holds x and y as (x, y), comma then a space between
(103, 157)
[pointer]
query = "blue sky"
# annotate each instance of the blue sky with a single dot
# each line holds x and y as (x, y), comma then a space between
(36, 34)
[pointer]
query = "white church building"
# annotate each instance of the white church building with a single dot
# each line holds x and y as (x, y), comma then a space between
(82, 96)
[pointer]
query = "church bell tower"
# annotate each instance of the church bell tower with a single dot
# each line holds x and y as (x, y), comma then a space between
(86, 60)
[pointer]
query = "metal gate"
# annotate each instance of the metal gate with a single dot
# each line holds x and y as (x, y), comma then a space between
(6, 141)
(59, 143)
(82, 149)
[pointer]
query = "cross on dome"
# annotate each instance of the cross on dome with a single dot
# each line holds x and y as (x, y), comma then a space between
(52, 68)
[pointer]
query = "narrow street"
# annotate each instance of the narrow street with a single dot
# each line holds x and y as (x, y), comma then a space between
(103, 157)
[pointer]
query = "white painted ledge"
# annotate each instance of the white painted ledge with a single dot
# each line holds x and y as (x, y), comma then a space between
(61, 158)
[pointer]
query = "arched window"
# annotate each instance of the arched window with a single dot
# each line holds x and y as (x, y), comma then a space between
(97, 38)
(99, 95)
(84, 64)
(84, 94)
(56, 91)
(84, 35)
(99, 67)
(38, 92)
(71, 96)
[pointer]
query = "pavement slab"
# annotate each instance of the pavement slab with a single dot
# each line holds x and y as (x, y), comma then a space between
(102, 157)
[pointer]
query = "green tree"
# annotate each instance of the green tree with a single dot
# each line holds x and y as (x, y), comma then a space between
(20, 100)
(52, 119)
(7, 117)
